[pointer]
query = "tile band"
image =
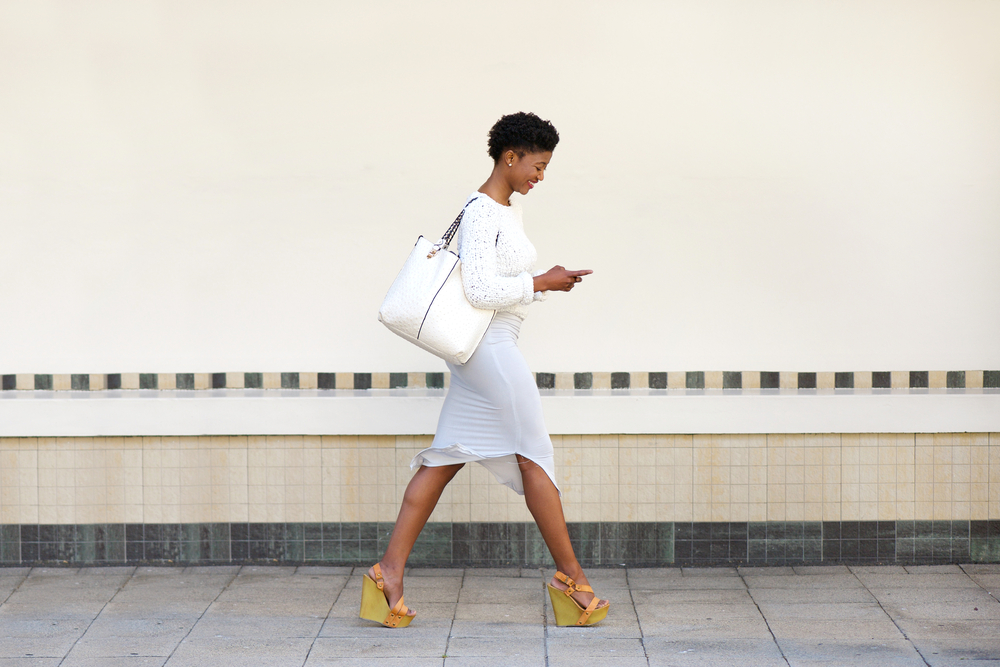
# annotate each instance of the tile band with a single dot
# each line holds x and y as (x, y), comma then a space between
(732, 380)
(511, 543)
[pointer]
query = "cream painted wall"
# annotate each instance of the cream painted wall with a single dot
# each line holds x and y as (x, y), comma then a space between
(231, 186)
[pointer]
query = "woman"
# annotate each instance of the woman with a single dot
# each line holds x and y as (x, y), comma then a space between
(492, 413)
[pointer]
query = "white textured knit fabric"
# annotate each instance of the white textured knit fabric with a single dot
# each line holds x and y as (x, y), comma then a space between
(498, 260)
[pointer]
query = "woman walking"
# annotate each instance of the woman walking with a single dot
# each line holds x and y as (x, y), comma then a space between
(492, 413)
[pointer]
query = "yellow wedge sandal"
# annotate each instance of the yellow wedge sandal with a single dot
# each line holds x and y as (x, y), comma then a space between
(374, 606)
(568, 611)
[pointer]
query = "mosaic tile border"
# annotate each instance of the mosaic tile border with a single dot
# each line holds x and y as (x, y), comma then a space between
(732, 380)
(509, 544)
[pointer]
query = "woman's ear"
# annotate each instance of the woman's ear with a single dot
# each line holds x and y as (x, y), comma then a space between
(508, 157)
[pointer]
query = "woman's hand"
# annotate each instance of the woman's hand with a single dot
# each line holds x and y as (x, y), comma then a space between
(559, 279)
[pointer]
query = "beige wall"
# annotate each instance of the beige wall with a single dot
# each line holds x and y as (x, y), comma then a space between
(766, 477)
(210, 186)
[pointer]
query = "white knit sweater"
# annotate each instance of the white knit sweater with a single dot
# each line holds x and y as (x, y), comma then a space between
(498, 260)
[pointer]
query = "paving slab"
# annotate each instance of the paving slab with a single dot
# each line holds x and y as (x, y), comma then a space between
(959, 630)
(715, 596)
(390, 645)
(882, 653)
(239, 650)
(38, 647)
(108, 638)
(823, 611)
(820, 569)
(499, 613)
(664, 610)
(877, 580)
(319, 570)
(713, 572)
(382, 662)
(974, 596)
(713, 652)
(131, 661)
(973, 611)
(843, 630)
(812, 595)
(595, 647)
(570, 661)
(506, 572)
(812, 582)
(519, 631)
(955, 651)
(493, 647)
(219, 627)
(990, 582)
(686, 629)
(749, 570)
(276, 616)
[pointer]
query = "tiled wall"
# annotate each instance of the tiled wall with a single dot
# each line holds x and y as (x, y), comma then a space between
(914, 481)
(585, 380)
(609, 478)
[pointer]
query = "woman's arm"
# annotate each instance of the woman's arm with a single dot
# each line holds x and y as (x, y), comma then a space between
(483, 287)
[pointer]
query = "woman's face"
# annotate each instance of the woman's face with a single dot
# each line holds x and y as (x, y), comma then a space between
(524, 172)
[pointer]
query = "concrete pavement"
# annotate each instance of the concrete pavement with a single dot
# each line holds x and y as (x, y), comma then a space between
(307, 616)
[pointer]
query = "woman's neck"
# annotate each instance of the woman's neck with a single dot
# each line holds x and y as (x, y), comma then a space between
(497, 189)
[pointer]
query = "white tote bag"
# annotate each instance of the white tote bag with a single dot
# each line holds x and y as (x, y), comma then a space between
(427, 305)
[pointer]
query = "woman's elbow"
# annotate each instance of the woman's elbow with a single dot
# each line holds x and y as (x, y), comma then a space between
(479, 299)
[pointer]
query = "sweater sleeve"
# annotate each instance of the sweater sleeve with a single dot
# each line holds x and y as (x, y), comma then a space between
(483, 286)
(538, 296)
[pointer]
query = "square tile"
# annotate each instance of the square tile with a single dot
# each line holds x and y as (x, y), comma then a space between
(843, 380)
(770, 380)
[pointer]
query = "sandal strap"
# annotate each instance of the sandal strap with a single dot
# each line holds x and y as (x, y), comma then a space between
(585, 616)
(378, 576)
(396, 614)
(572, 586)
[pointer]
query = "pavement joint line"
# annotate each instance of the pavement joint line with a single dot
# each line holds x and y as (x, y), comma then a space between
(451, 628)
(545, 618)
(879, 603)
(764, 617)
(990, 593)
(202, 615)
(15, 589)
(98, 614)
(642, 636)
(326, 618)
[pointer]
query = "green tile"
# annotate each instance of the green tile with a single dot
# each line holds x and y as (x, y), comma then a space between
(985, 549)
(536, 554)
(190, 551)
(85, 553)
(10, 552)
(294, 551)
(312, 550)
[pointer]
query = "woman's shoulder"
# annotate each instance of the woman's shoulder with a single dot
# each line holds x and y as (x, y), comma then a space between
(483, 204)
(479, 206)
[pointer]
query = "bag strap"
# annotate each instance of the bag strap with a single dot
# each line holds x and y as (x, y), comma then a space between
(451, 231)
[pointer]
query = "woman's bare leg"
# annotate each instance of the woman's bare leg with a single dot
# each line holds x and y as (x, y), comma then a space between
(543, 502)
(419, 500)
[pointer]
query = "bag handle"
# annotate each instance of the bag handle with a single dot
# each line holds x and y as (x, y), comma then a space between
(450, 232)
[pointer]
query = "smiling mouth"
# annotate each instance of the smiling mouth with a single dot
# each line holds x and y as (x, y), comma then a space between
(530, 185)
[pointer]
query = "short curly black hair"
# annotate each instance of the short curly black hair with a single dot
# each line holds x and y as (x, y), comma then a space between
(522, 132)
